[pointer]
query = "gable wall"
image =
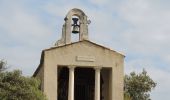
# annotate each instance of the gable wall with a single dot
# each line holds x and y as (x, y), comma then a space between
(66, 55)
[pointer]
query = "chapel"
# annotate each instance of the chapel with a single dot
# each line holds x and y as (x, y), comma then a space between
(80, 70)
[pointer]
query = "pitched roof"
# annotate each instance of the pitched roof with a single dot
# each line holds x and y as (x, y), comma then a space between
(42, 54)
(83, 41)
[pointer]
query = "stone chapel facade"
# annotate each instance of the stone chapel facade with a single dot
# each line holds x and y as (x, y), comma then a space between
(80, 70)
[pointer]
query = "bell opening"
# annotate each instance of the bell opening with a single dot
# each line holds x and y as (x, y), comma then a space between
(75, 25)
(75, 29)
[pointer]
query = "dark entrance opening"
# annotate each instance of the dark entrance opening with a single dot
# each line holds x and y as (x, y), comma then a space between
(63, 76)
(84, 83)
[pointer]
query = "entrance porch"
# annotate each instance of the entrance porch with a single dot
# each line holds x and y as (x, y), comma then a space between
(83, 83)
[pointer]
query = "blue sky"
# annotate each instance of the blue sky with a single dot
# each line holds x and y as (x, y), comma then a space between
(140, 29)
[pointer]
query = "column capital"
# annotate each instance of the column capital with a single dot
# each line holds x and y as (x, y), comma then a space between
(71, 67)
(98, 68)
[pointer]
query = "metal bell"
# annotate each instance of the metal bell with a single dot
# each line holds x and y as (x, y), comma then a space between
(75, 26)
(75, 29)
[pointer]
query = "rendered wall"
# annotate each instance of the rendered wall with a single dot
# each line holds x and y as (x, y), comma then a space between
(66, 55)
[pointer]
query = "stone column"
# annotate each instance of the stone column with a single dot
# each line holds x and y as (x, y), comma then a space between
(97, 83)
(71, 83)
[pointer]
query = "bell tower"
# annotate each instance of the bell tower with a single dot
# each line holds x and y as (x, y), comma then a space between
(75, 23)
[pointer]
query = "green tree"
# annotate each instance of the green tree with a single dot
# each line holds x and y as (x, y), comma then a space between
(2, 65)
(127, 96)
(14, 86)
(138, 86)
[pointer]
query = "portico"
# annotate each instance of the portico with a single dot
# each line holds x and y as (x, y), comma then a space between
(88, 80)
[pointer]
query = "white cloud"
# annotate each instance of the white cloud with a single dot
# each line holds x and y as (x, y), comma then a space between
(23, 26)
(23, 37)
(99, 2)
